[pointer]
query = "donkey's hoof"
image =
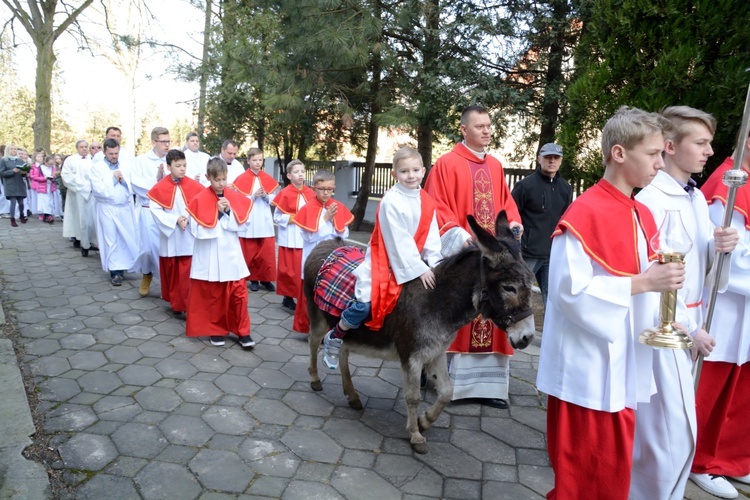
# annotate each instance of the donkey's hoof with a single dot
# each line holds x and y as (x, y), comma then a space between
(420, 448)
(355, 404)
(316, 385)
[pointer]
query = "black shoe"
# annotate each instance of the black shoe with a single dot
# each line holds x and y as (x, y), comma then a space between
(76, 243)
(288, 302)
(494, 403)
(84, 252)
(217, 340)
(268, 286)
(247, 342)
(93, 248)
(254, 286)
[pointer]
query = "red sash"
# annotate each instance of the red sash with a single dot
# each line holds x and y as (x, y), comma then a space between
(244, 183)
(606, 222)
(308, 216)
(714, 189)
(203, 208)
(385, 290)
(163, 192)
(288, 198)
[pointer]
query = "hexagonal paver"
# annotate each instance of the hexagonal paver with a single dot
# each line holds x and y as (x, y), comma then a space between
(69, 417)
(308, 403)
(88, 452)
(313, 445)
(108, 486)
(271, 378)
(483, 447)
(270, 411)
(228, 420)
(139, 440)
(513, 433)
(185, 430)
(449, 461)
(353, 434)
(43, 347)
(198, 391)
(87, 360)
(221, 470)
(158, 399)
(212, 363)
(100, 382)
(237, 385)
(176, 368)
(50, 366)
(154, 349)
(139, 375)
(123, 354)
(362, 483)
(159, 480)
(78, 341)
(58, 389)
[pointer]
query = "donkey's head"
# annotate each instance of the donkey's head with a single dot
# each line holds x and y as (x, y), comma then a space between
(503, 293)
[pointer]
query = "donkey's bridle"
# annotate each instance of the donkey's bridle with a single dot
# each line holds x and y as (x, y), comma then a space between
(485, 296)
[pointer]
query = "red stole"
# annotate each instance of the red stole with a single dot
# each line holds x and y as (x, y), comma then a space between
(606, 222)
(163, 192)
(244, 183)
(308, 216)
(288, 198)
(203, 207)
(714, 189)
(385, 290)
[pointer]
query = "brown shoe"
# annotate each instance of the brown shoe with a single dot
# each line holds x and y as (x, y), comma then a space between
(23, 220)
(13, 222)
(145, 284)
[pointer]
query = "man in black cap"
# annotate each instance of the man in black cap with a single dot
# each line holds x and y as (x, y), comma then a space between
(542, 198)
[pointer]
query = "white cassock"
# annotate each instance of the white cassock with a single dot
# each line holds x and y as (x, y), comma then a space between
(126, 156)
(143, 178)
(196, 166)
(288, 235)
(666, 427)
(589, 354)
(217, 254)
(261, 218)
(398, 214)
(80, 213)
(115, 218)
(234, 170)
(326, 231)
(173, 241)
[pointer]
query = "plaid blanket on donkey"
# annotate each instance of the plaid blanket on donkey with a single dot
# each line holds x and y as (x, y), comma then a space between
(334, 286)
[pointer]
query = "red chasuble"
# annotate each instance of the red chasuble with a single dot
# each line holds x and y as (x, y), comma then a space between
(308, 216)
(288, 198)
(715, 190)
(462, 184)
(203, 208)
(385, 290)
(606, 222)
(163, 192)
(244, 183)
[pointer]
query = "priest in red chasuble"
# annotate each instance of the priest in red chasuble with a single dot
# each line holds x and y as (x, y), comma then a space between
(470, 181)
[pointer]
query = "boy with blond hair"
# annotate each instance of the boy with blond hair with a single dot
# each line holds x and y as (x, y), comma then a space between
(322, 218)
(589, 365)
(665, 427)
(288, 202)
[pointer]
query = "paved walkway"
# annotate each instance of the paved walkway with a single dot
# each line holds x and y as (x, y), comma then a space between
(138, 410)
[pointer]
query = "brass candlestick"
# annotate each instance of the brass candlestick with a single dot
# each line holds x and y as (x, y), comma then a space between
(671, 243)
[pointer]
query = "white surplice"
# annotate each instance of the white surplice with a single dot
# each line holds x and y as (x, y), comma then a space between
(288, 235)
(325, 231)
(217, 254)
(196, 166)
(143, 178)
(173, 241)
(261, 218)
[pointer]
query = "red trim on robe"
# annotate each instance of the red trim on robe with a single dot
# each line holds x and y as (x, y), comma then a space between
(203, 207)
(714, 189)
(288, 198)
(163, 192)
(244, 182)
(385, 290)
(591, 218)
(308, 216)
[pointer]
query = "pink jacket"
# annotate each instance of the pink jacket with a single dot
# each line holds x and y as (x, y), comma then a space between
(38, 181)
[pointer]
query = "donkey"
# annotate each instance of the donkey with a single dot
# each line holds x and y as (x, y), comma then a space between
(490, 279)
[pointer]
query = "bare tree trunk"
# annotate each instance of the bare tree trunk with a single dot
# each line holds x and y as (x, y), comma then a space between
(45, 62)
(424, 145)
(204, 72)
(365, 181)
(554, 75)
(430, 54)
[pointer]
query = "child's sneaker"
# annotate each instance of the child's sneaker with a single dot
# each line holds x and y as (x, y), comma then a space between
(247, 342)
(331, 347)
(217, 340)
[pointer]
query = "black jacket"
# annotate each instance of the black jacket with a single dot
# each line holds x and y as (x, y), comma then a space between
(541, 202)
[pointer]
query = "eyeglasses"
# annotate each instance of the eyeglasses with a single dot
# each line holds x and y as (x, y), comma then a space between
(95, 147)
(325, 190)
(164, 142)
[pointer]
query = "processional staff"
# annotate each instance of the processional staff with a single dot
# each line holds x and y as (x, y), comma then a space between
(733, 179)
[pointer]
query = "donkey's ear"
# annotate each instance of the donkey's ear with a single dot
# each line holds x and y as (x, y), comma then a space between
(483, 238)
(502, 226)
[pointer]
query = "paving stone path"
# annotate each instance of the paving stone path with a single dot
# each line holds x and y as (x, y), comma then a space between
(138, 410)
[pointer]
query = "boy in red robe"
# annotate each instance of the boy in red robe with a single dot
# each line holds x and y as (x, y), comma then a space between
(323, 218)
(289, 238)
(170, 197)
(217, 302)
(258, 243)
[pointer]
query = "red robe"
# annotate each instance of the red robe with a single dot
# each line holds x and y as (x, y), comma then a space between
(461, 184)
(288, 198)
(289, 267)
(715, 190)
